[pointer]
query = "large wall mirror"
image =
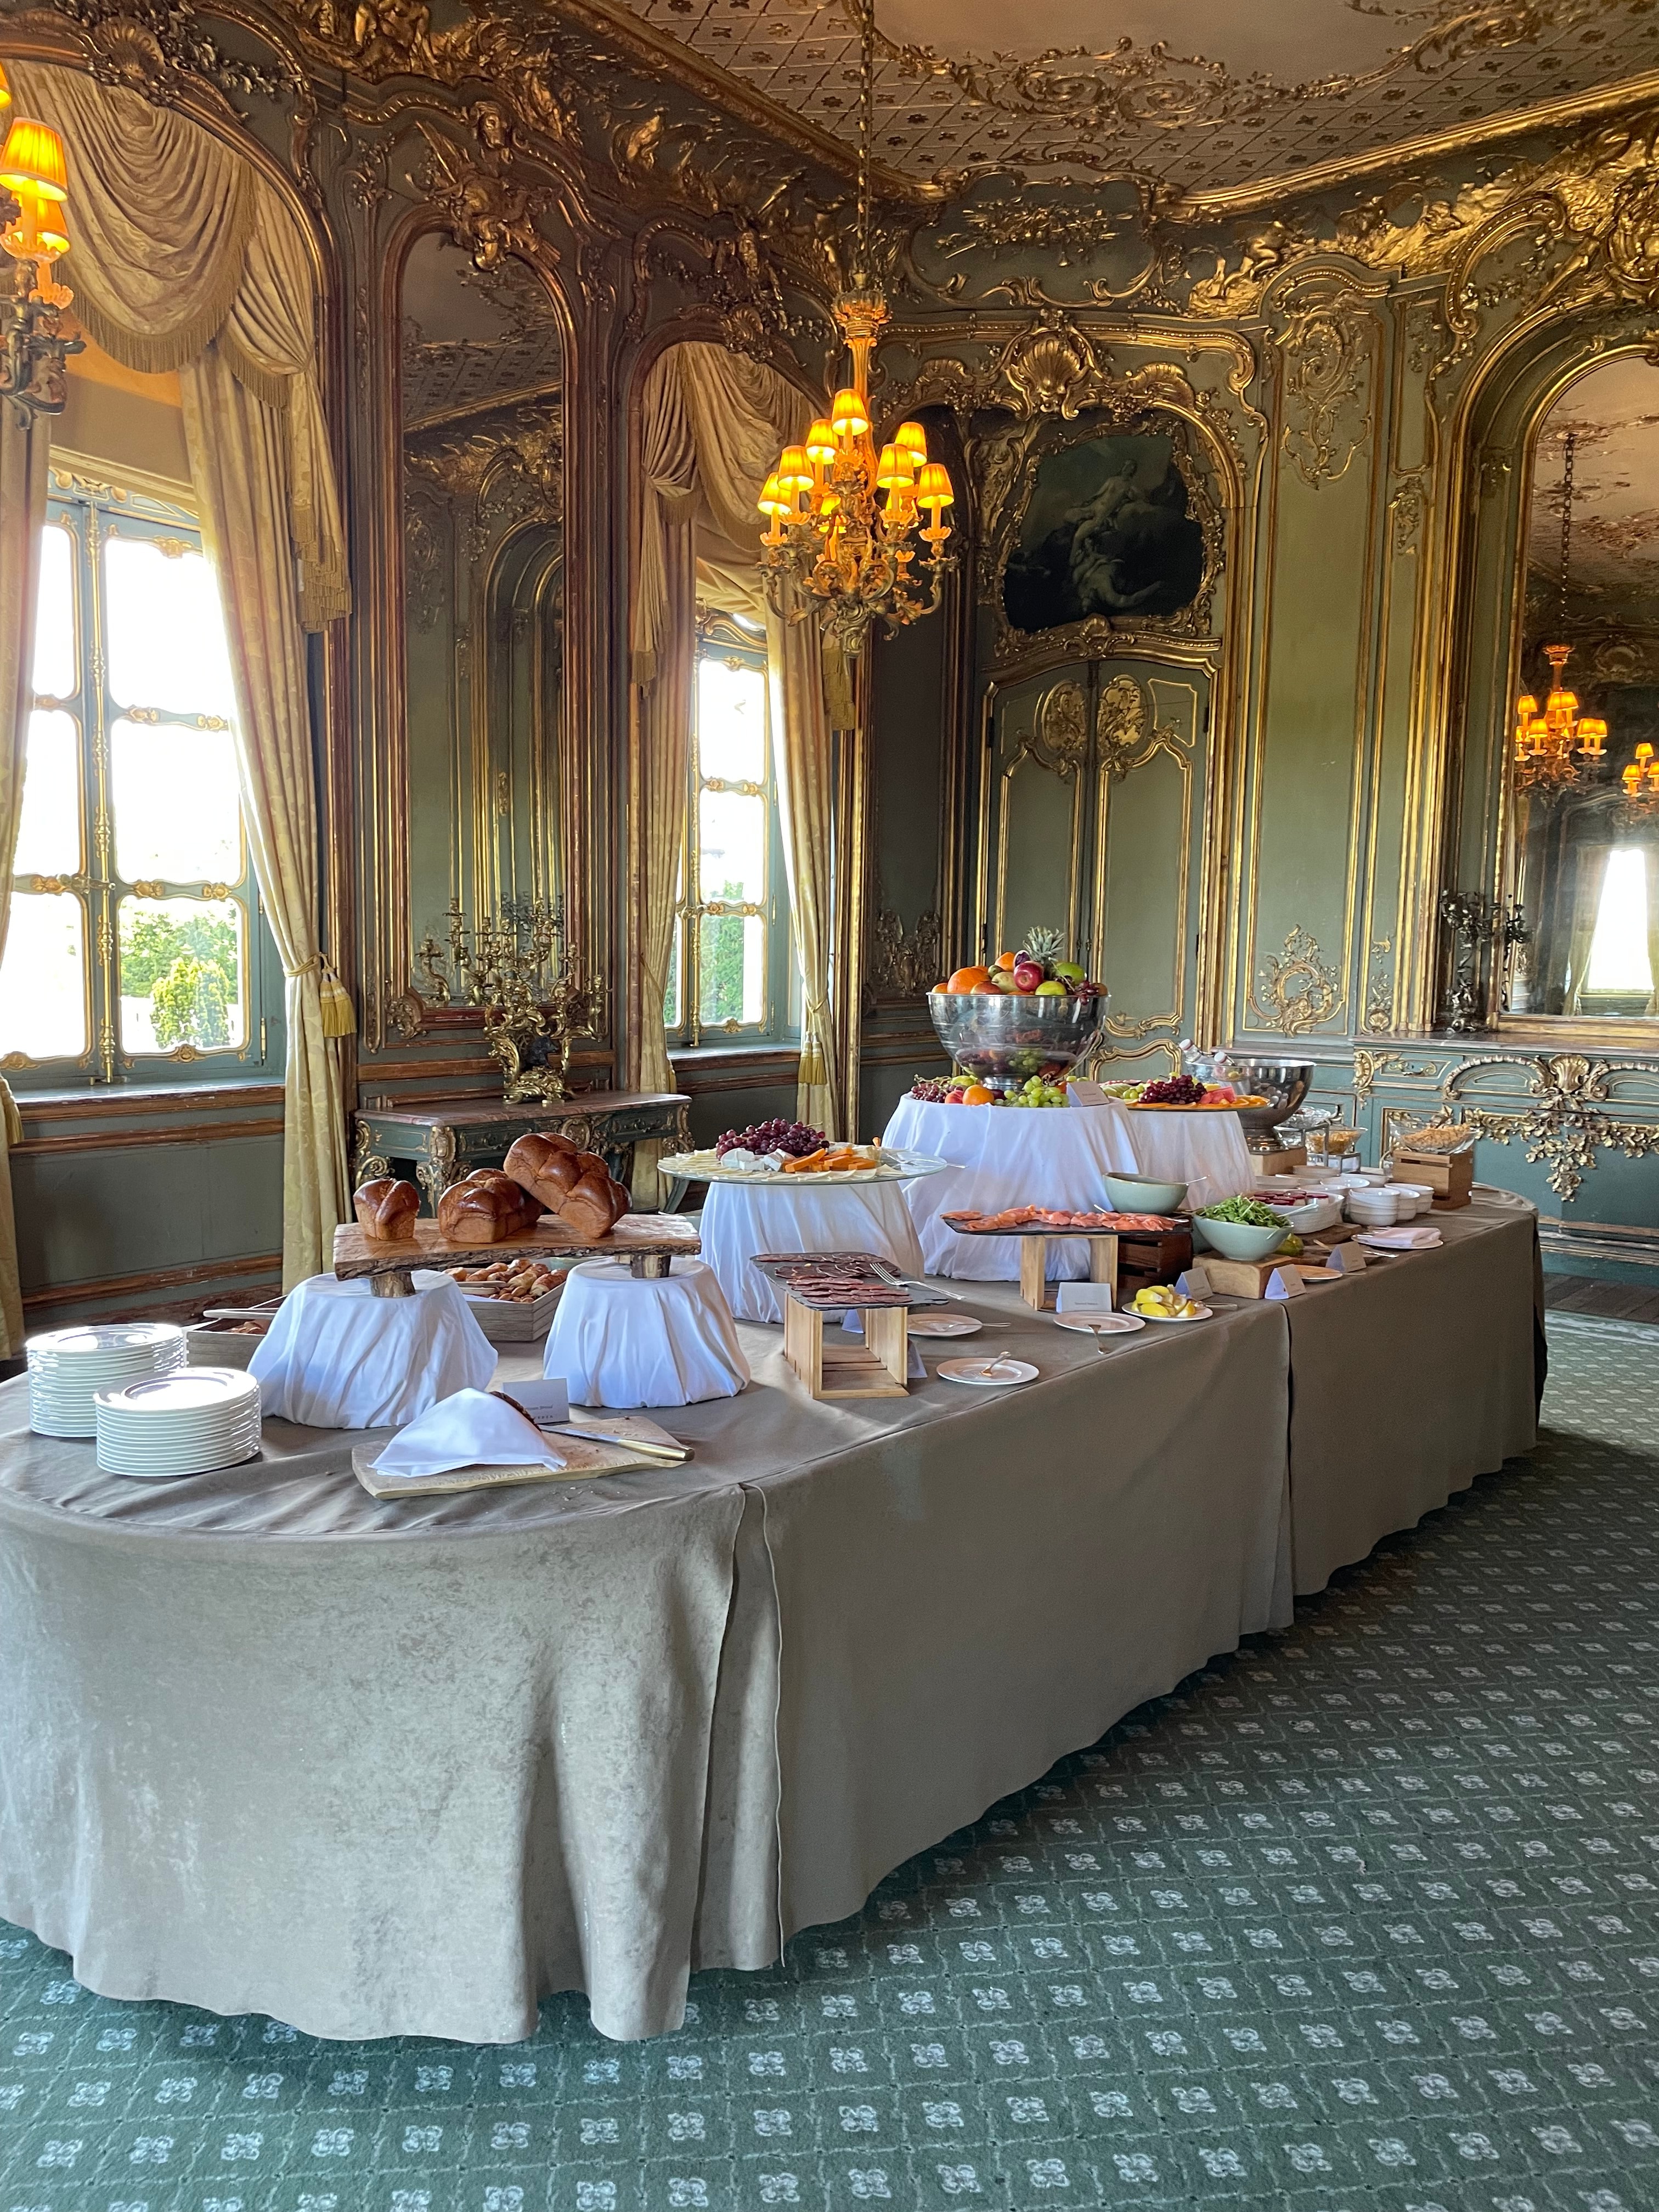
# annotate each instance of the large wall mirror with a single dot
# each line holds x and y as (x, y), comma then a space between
(482, 452)
(1584, 747)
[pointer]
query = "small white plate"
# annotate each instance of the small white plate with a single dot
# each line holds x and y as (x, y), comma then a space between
(1179, 1320)
(1106, 1324)
(1381, 1240)
(987, 1374)
(945, 1325)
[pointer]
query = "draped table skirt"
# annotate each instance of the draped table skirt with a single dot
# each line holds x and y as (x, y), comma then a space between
(403, 1768)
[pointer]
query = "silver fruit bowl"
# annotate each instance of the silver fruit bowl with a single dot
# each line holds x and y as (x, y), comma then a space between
(1003, 1036)
(1283, 1082)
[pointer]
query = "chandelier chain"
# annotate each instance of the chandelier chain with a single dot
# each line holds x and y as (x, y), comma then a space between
(1571, 444)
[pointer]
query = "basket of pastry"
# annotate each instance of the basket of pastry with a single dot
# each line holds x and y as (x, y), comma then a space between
(513, 1300)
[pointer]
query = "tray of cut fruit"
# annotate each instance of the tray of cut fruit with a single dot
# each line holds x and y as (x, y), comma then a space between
(789, 1156)
(1181, 1094)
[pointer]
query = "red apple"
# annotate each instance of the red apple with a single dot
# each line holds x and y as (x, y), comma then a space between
(1027, 976)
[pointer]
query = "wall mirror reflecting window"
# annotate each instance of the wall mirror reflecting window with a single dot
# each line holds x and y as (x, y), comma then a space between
(483, 419)
(1584, 736)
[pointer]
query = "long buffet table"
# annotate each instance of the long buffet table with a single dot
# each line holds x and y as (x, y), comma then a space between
(391, 1769)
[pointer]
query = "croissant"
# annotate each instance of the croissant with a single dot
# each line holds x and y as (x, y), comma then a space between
(486, 1207)
(387, 1209)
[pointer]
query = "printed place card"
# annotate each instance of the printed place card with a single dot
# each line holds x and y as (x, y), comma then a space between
(1082, 1297)
(1079, 1093)
(1195, 1283)
(1284, 1283)
(546, 1400)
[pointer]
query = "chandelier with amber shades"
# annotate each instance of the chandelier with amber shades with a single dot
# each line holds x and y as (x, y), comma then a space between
(34, 234)
(846, 533)
(1557, 749)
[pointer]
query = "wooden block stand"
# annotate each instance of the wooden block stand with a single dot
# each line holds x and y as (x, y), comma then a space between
(1285, 1161)
(877, 1368)
(1034, 1284)
(1449, 1175)
(650, 1242)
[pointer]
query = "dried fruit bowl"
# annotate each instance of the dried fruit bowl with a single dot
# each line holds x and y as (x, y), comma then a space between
(1003, 1036)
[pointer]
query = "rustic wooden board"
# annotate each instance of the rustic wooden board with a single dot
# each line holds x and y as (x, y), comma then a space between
(637, 1237)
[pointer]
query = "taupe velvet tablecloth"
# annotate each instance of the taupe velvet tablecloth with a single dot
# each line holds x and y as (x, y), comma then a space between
(267, 1745)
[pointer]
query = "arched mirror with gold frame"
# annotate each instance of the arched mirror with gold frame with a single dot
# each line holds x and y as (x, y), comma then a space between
(1582, 774)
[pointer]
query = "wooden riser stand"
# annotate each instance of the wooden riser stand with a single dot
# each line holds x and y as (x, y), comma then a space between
(877, 1368)
(1034, 1284)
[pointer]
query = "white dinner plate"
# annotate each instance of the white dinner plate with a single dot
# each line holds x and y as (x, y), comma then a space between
(945, 1325)
(1105, 1324)
(175, 1473)
(987, 1374)
(1180, 1319)
(1381, 1240)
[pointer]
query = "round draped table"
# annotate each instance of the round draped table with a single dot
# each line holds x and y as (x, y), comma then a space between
(1206, 1152)
(1008, 1156)
(740, 1219)
(621, 1342)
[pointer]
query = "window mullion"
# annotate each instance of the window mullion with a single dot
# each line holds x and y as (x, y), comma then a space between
(99, 895)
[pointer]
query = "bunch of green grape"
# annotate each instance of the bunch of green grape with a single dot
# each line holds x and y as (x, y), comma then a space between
(1037, 1090)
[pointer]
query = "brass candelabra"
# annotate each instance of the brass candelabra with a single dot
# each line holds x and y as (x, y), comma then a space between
(517, 967)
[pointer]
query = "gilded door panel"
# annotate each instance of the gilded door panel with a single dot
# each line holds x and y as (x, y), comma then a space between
(1149, 786)
(1037, 812)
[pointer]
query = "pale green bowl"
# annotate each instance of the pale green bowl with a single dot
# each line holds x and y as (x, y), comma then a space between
(1141, 1194)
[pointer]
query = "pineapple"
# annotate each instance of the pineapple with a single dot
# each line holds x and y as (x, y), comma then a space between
(1044, 946)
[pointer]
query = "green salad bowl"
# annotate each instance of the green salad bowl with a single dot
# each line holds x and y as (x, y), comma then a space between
(1237, 1240)
(1131, 1194)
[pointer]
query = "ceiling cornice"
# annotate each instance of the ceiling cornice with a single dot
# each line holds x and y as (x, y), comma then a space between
(657, 54)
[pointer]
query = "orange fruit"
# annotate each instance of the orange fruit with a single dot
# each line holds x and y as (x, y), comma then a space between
(968, 979)
(1006, 959)
(977, 1094)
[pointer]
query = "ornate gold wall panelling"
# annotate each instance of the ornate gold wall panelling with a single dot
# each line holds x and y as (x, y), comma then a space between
(1135, 726)
(1567, 1123)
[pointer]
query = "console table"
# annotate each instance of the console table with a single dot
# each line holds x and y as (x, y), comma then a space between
(444, 1139)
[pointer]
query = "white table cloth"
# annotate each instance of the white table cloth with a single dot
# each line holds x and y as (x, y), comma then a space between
(1206, 1152)
(1008, 1156)
(620, 1342)
(336, 1356)
(739, 1219)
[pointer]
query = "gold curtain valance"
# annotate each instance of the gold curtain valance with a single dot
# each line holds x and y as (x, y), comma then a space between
(180, 246)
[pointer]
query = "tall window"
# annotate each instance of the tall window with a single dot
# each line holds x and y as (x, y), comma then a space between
(1619, 958)
(135, 951)
(733, 973)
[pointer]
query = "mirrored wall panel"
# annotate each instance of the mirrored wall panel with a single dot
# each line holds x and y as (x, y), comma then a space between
(1585, 741)
(482, 435)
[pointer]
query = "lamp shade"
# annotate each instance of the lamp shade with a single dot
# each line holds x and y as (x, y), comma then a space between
(821, 443)
(848, 415)
(32, 159)
(794, 470)
(913, 440)
(5, 90)
(934, 486)
(893, 468)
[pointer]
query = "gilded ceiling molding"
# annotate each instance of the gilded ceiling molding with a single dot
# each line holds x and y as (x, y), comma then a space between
(152, 46)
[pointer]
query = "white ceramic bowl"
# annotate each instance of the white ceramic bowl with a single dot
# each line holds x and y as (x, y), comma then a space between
(1419, 1194)
(1373, 1209)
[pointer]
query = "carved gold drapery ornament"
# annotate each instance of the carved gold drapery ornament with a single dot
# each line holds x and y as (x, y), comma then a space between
(1298, 989)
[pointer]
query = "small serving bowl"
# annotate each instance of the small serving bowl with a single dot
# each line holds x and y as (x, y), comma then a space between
(1131, 1194)
(1238, 1240)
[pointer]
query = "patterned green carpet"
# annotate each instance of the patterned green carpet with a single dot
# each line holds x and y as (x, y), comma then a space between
(1359, 1920)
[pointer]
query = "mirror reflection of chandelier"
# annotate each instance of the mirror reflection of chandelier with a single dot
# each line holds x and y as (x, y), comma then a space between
(844, 518)
(1641, 781)
(1559, 747)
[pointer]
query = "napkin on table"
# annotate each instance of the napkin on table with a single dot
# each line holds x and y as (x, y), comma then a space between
(472, 1428)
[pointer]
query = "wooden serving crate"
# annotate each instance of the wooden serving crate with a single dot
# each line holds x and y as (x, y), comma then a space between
(1146, 1256)
(877, 1368)
(513, 1321)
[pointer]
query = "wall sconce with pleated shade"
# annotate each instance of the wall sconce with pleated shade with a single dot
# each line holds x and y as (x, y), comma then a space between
(34, 232)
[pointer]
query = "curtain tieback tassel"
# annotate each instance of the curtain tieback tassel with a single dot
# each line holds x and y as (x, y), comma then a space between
(339, 1016)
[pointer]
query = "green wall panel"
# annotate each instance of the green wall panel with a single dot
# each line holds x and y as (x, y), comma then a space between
(81, 1216)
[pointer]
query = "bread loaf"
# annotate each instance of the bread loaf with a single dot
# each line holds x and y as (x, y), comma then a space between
(387, 1209)
(486, 1207)
(576, 1187)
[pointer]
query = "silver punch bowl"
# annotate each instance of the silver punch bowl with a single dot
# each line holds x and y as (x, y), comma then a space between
(1003, 1036)
(1283, 1082)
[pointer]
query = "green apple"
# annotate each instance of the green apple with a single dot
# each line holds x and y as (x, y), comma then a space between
(1068, 970)
(1050, 991)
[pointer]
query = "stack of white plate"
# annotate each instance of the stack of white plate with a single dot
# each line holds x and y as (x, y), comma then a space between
(184, 1423)
(67, 1366)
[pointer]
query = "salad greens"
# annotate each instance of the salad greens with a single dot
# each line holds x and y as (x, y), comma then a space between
(1250, 1212)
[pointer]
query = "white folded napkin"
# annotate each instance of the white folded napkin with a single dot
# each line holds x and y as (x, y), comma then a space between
(469, 1428)
(1406, 1240)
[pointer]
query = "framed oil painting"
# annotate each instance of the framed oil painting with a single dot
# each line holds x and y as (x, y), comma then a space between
(1108, 531)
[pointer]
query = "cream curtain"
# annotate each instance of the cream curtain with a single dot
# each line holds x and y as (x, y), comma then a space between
(24, 450)
(185, 258)
(1589, 874)
(731, 417)
(662, 643)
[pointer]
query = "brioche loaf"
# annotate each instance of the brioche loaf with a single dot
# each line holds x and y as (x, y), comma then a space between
(576, 1187)
(387, 1209)
(486, 1207)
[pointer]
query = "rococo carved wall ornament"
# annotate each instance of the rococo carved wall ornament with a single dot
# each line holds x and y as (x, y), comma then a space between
(1569, 1123)
(1298, 990)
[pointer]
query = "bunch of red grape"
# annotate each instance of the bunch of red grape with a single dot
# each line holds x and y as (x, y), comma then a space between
(933, 1088)
(1173, 1091)
(792, 1137)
